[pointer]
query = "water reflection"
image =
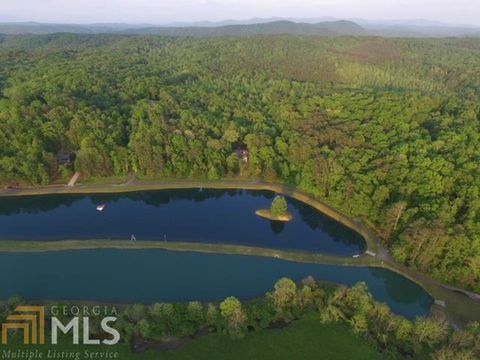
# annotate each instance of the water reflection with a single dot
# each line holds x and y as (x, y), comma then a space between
(277, 226)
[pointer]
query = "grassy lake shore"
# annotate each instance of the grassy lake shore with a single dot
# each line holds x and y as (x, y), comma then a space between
(461, 306)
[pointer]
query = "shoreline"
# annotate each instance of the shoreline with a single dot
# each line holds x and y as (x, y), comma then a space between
(462, 305)
(267, 214)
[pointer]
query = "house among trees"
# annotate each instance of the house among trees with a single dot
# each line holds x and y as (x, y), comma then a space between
(65, 158)
(242, 154)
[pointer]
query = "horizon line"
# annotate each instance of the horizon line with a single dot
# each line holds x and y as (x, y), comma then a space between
(240, 21)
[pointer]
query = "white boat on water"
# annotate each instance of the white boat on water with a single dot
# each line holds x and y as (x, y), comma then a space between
(101, 207)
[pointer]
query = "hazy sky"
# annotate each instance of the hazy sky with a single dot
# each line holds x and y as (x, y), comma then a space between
(164, 11)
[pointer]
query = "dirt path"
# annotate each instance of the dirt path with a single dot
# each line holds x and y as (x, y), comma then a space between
(74, 179)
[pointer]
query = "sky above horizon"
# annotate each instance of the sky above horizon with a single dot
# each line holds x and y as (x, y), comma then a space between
(168, 11)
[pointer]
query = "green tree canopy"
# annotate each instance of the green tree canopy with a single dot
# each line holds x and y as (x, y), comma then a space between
(279, 206)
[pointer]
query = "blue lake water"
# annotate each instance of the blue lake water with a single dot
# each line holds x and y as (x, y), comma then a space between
(148, 276)
(189, 215)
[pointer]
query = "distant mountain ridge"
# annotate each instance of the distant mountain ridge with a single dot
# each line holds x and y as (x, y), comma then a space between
(14, 28)
(331, 28)
(325, 26)
(328, 28)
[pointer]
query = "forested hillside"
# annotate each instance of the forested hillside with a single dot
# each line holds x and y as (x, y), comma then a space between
(385, 129)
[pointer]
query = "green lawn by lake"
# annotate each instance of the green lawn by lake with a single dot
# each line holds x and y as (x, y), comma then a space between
(304, 339)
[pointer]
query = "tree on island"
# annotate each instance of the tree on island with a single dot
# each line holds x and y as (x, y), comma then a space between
(279, 206)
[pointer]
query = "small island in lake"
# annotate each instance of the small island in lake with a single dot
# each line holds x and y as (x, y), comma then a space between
(277, 212)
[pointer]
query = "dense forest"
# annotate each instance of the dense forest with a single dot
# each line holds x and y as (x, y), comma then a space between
(385, 129)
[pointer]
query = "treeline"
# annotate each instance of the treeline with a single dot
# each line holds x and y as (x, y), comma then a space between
(385, 129)
(394, 336)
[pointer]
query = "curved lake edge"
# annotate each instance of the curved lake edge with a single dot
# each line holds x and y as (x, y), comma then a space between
(462, 305)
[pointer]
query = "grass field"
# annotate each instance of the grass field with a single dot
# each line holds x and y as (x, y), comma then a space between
(304, 339)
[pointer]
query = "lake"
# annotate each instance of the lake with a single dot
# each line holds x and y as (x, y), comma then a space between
(148, 276)
(187, 215)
